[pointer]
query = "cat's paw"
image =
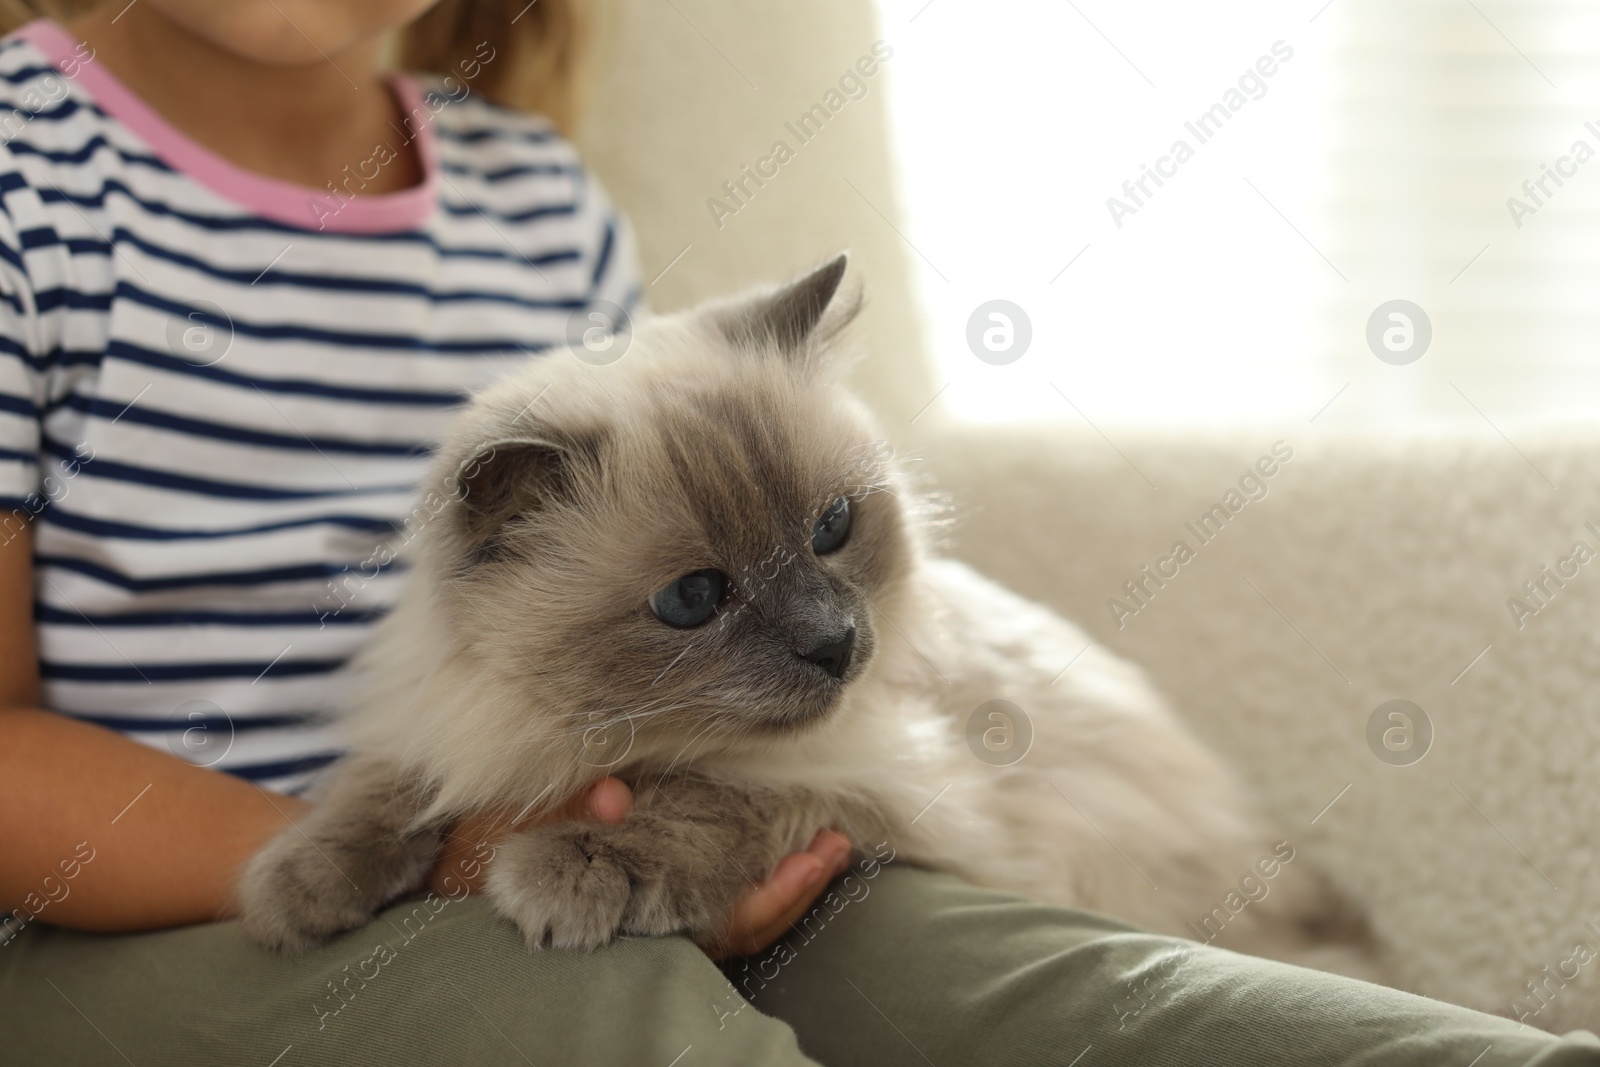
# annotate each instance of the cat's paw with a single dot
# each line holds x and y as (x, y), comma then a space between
(579, 885)
(293, 898)
(564, 886)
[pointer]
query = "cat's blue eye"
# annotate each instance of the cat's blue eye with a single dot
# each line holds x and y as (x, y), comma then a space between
(829, 532)
(691, 600)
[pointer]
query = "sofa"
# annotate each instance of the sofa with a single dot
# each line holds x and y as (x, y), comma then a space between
(1391, 636)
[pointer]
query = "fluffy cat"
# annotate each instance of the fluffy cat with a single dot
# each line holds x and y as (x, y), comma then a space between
(698, 568)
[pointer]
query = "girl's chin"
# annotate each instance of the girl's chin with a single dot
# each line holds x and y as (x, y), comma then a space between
(289, 33)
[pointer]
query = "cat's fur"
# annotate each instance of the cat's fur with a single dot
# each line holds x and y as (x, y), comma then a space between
(523, 662)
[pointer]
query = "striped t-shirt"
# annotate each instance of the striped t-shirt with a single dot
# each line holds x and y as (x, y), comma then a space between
(219, 391)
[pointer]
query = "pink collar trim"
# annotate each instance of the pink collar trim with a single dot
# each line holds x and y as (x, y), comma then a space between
(287, 202)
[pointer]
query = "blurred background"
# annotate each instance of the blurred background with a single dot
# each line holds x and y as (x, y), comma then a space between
(1349, 161)
(1374, 164)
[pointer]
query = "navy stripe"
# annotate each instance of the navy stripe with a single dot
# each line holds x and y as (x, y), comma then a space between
(45, 300)
(256, 772)
(61, 357)
(494, 133)
(44, 613)
(130, 531)
(347, 283)
(543, 211)
(509, 257)
(333, 615)
(66, 110)
(47, 237)
(95, 406)
(214, 223)
(112, 470)
(603, 260)
(86, 152)
(184, 672)
(12, 347)
(520, 170)
(402, 342)
(221, 723)
(299, 572)
(55, 194)
(27, 73)
(9, 456)
(293, 386)
(18, 405)
(249, 223)
(12, 256)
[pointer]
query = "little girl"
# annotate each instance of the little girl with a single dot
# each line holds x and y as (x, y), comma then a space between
(246, 277)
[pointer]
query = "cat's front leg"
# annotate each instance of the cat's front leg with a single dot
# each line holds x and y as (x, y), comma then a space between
(686, 852)
(356, 851)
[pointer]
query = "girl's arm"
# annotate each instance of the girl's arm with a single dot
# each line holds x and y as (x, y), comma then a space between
(167, 838)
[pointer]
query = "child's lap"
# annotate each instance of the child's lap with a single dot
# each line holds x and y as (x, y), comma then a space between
(907, 967)
(447, 984)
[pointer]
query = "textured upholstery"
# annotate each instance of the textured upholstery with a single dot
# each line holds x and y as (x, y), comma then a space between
(1370, 571)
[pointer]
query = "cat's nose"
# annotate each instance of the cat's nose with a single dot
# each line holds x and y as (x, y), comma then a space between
(833, 656)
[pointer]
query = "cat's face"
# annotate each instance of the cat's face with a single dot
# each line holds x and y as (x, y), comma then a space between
(685, 549)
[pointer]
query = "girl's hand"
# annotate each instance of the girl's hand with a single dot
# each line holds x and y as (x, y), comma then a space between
(761, 916)
(460, 862)
(766, 911)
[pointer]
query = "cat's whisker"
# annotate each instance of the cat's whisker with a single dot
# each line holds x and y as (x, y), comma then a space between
(707, 736)
(704, 723)
(631, 718)
(646, 713)
(709, 720)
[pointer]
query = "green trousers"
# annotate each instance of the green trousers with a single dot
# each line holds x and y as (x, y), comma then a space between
(904, 967)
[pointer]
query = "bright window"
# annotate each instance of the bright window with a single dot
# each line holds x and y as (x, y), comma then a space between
(1307, 163)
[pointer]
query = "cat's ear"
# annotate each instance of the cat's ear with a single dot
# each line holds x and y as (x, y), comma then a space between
(796, 315)
(504, 478)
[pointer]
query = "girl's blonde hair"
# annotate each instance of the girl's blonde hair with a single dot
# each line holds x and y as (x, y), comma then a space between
(537, 59)
(537, 47)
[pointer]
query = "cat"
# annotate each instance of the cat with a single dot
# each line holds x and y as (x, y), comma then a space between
(701, 569)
